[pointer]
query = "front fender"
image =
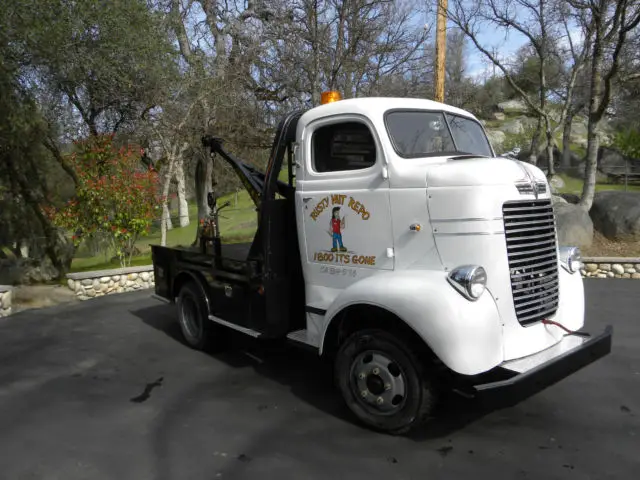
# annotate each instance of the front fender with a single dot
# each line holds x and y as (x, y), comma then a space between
(466, 336)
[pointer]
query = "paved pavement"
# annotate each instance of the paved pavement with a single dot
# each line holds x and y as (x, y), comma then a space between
(105, 390)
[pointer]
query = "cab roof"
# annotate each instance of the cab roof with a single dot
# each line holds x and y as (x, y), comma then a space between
(376, 106)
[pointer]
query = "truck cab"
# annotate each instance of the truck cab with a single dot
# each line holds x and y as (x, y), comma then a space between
(403, 250)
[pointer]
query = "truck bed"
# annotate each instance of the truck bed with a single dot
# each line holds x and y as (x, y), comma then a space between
(236, 251)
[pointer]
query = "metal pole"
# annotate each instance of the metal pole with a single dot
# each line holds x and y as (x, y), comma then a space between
(441, 50)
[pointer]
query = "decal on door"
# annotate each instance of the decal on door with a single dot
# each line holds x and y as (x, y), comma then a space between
(333, 210)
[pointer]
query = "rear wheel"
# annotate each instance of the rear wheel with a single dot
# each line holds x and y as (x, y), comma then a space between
(198, 331)
(383, 382)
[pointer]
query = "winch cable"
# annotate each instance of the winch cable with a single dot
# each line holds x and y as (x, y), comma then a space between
(570, 332)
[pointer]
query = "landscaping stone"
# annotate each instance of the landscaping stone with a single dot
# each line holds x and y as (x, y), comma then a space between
(106, 282)
(610, 267)
(617, 269)
(6, 300)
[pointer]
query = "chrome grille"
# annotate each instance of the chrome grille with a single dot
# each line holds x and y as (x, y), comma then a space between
(530, 232)
(526, 188)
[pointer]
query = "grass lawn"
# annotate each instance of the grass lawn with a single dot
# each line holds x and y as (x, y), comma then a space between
(238, 223)
(574, 185)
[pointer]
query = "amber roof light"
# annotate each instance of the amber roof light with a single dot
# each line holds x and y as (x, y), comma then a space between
(330, 96)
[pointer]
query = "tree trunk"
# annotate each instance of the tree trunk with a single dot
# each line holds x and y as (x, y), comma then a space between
(591, 167)
(165, 222)
(183, 205)
(566, 142)
(204, 173)
(535, 143)
(550, 144)
(591, 163)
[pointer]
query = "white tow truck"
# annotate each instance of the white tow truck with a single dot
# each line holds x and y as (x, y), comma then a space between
(400, 248)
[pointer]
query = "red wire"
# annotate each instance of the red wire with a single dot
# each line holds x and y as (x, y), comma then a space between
(551, 322)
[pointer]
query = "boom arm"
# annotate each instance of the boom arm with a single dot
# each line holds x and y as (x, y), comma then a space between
(252, 179)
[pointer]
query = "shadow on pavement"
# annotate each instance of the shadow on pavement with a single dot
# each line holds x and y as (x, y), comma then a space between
(308, 377)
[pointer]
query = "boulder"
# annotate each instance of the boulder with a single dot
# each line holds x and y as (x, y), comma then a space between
(617, 214)
(513, 127)
(556, 199)
(574, 226)
(514, 105)
(499, 116)
(497, 138)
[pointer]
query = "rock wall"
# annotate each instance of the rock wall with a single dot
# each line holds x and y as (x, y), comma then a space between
(611, 268)
(88, 285)
(6, 297)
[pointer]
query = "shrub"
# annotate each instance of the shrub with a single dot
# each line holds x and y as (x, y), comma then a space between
(116, 196)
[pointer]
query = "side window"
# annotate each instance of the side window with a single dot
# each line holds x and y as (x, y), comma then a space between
(343, 146)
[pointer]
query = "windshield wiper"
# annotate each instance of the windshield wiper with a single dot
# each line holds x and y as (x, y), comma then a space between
(468, 155)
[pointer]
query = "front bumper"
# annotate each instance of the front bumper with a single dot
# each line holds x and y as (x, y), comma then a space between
(522, 378)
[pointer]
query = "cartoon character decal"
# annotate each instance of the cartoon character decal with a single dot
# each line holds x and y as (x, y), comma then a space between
(339, 253)
(336, 227)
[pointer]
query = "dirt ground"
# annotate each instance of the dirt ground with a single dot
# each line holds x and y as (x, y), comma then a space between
(603, 247)
(27, 297)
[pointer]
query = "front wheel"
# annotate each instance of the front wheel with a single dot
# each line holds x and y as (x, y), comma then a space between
(383, 382)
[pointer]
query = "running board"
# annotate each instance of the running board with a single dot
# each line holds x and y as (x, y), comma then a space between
(300, 337)
(239, 328)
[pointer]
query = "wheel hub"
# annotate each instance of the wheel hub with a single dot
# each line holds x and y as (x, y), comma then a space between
(375, 384)
(378, 382)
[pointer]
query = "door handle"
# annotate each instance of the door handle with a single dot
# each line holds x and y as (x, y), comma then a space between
(306, 199)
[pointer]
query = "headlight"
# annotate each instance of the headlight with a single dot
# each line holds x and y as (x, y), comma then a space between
(469, 280)
(571, 259)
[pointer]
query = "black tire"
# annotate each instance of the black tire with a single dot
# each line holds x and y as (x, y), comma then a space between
(198, 331)
(410, 405)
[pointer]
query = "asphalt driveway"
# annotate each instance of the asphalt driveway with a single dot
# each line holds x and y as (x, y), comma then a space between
(104, 389)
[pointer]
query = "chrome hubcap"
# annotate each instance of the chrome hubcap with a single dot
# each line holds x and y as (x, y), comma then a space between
(378, 382)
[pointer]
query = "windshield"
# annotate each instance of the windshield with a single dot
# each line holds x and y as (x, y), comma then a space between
(421, 133)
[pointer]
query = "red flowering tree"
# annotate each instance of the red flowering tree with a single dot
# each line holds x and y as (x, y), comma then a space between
(116, 196)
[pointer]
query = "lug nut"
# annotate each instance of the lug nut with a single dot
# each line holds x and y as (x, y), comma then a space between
(363, 393)
(376, 371)
(379, 401)
(387, 386)
(362, 376)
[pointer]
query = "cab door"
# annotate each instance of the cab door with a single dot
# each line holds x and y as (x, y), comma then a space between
(343, 208)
